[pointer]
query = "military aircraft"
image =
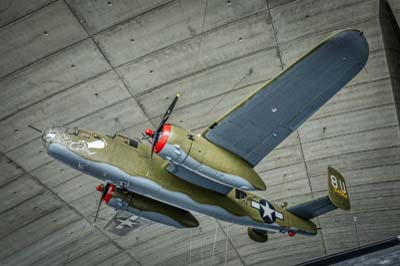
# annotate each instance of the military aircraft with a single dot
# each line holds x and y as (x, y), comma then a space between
(213, 172)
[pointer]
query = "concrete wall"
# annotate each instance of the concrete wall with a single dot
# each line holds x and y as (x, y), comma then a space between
(391, 39)
(115, 65)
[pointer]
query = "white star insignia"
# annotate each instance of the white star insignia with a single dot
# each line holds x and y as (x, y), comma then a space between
(267, 211)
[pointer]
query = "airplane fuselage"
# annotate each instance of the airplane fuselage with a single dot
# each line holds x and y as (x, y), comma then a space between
(127, 164)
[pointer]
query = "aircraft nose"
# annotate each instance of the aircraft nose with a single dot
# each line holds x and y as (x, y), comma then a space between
(48, 136)
(51, 135)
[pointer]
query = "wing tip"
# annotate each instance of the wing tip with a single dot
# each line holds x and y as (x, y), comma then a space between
(355, 41)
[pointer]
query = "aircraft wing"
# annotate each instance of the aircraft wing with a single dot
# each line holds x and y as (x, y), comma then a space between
(263, 120)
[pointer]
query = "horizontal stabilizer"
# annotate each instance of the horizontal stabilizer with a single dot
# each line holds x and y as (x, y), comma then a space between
(337, 198)
(312, 208)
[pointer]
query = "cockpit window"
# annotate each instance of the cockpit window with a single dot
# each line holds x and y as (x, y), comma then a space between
(131, 142)
(73, 130)
(84, 134)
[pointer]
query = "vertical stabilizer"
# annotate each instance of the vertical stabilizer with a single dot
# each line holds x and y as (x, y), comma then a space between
(338, 194)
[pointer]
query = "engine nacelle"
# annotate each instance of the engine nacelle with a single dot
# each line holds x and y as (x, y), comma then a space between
(148, 208)
(201, 158)
(257, 235)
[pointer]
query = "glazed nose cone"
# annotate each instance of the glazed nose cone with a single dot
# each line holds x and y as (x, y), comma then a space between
(51, 135)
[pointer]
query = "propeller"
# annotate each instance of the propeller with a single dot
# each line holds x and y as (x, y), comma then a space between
(106, 190)
(156, 134)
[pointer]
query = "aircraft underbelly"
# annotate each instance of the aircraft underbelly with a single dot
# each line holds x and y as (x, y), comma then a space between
(153, 190)
(214, 206)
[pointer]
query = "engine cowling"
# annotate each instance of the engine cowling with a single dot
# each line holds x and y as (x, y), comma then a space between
(189, 152)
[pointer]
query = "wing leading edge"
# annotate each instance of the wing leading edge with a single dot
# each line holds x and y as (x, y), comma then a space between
(263, 120)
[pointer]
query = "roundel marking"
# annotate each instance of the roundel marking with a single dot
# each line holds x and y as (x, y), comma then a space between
(267, 211)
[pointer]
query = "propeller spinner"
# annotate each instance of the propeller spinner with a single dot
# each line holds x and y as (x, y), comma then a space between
(155, 135)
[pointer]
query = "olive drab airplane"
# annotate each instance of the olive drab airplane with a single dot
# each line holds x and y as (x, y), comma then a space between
(213, 173)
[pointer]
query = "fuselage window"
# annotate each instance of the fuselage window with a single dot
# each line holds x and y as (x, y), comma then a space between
(74, 131)
(133, 143)
(240, 195)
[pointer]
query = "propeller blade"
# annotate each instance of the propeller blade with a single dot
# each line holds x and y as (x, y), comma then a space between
(103, 189)
(164, 119)
(97, 212)
(169, 111)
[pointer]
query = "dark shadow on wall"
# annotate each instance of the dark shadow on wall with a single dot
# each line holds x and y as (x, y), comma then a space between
(391, 40)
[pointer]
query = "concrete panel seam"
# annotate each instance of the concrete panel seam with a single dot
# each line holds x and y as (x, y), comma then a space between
(109, 63)
(349, 134)
(52, 95)
(43, 191)
(148, 240)
(371, 183)
(30, 223)
(191, 38)
(155, 88)
(353, 152)
(79, 214)
(15, 21)
(231, 244)
(68, 261)
(352, 133)
(362, 212)
(47, 55)
(281, 5)
(352, 111)
(278, 49)
(15, 178)
(309, 183)
(365, 168)
(160, 6)
(106, 29)
(332, 29)
(67, 124)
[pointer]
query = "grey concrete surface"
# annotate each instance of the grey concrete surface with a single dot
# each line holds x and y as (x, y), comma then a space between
(114, 66)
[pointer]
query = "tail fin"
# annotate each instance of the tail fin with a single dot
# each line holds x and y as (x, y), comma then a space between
(337, 189)
(337, 198)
